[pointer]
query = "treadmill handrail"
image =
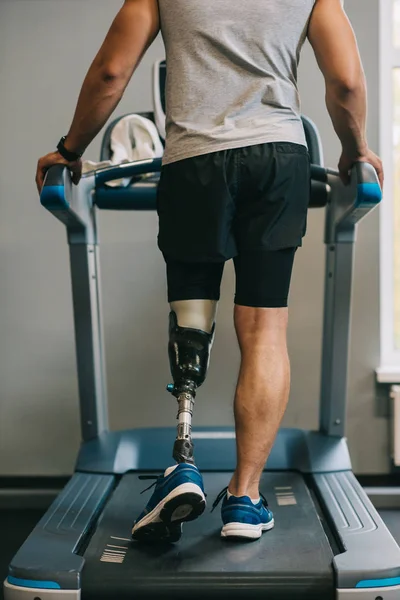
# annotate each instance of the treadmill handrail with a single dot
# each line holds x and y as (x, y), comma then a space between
(321, 173)
(57, 186)
(132, 169)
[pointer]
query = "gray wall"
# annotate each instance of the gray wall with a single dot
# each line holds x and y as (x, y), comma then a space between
(45, 50)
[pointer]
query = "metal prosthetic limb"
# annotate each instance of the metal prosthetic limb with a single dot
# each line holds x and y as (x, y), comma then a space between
(189, 354)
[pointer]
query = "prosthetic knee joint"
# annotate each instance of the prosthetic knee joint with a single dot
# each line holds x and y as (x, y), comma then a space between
(189, 353)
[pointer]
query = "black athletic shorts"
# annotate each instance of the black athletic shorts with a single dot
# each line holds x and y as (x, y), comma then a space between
(249, 204)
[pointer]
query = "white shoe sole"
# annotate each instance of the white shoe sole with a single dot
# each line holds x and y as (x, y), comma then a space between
(193, 499)
(245, 531)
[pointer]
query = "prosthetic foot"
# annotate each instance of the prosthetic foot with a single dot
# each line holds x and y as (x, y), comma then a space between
(189, 354)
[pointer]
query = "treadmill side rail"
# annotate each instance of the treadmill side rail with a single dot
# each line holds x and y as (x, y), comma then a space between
(13, 592)
(371, 554)
(48, 558)
(386, 593)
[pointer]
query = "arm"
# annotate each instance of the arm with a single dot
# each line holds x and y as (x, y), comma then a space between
(132, 32)
(336, 51)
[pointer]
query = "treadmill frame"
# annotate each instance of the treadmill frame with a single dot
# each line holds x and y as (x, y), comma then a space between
(48, 565)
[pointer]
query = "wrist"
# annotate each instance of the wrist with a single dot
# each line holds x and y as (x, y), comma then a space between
(67, 151)
(356, 151)
(60, 157)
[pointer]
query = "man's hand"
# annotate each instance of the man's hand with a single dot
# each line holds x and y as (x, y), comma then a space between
(55, 158)
(346, 163)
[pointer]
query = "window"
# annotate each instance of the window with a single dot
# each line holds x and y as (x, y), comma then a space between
(389, 370)
(396, 182)
(396, 207)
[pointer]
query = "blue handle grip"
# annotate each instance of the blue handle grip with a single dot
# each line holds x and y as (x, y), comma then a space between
(53, 195)
(368, 194)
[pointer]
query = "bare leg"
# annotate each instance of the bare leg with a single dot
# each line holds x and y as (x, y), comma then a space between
(262, 392)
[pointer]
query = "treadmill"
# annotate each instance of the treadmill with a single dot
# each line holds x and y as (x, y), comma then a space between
(328, 542)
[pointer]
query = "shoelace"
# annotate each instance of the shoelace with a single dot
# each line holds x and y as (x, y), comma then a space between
(222, 494)
(147, 477)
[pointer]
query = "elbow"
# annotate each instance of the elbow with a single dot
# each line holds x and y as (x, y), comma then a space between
(112, 73)
(346, 87)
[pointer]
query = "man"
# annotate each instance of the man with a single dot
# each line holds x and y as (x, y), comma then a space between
(234, 184)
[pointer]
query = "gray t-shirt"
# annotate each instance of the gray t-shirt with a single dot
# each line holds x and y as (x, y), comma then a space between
(232, 73)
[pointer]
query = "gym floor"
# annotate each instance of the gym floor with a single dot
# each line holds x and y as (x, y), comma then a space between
(16, 524)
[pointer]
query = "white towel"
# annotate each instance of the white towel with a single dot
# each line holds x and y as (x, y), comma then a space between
(133, 138)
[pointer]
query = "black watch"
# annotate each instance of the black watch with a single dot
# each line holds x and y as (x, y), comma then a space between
(69, 156)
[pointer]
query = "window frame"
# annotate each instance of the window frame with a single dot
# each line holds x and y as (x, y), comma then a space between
(389, 369)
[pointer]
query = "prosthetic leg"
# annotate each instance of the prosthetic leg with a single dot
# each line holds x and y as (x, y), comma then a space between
(191, 334)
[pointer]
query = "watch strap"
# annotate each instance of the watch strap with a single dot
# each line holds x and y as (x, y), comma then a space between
(69, 156)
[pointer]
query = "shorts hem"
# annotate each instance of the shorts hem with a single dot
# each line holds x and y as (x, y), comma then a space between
(275, 303)
(213, 297)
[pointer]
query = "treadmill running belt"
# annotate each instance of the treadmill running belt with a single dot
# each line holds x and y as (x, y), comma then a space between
(292, 561)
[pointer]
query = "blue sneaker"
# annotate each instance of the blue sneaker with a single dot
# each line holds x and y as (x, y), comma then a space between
(242, 518)
(178, 497)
